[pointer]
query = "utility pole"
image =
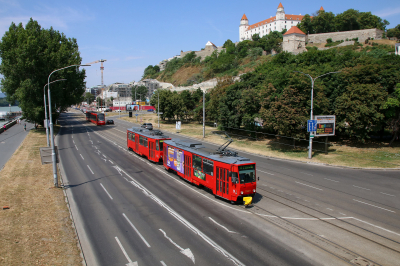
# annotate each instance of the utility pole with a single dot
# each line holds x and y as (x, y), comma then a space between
(311, 112)
(158, 108)
(204, 114)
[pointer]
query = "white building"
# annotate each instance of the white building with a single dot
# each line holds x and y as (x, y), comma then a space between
(277, 23)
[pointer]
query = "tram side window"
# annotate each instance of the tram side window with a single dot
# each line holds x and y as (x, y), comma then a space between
(129, 135)
(140, 140)
(133, 137)
(197, 163)
(145, 141)
(157, 146)
(208, 167)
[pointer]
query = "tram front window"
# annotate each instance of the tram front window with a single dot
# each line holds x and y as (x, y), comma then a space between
(100, 117)
(247, 174)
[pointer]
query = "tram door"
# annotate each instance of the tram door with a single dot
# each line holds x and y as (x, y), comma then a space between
(152, 146)
(188, 167)
(222, 182)
(137, 142)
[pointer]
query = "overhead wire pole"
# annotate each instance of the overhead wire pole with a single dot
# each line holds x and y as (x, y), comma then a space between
(158, 108)
(311, 112)
(45, 110)
(53, 153)
(204, 114)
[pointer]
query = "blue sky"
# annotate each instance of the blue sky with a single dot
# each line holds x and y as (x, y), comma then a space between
(134, 34)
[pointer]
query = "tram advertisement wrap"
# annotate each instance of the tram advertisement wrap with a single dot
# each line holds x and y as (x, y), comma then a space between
(175, 159)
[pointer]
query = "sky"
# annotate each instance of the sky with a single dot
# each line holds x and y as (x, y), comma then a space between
(134, 34)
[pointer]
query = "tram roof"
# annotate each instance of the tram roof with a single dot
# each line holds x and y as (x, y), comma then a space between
(153, 134)
(197, 148)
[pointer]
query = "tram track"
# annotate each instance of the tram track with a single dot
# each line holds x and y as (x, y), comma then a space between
(334, 218)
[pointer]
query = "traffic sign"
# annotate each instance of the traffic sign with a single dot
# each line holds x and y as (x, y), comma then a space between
(311, 125)
(136, 114)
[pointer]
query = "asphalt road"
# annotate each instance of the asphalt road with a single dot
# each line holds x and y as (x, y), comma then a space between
(133, 210)
(11, 139)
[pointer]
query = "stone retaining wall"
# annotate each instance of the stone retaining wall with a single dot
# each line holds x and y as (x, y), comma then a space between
(362, 35)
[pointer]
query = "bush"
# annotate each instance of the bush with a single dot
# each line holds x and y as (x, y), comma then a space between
(329, 40)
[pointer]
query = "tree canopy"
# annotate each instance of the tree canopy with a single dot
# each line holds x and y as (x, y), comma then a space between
(350, 19)
(140, 92)
(28, 55)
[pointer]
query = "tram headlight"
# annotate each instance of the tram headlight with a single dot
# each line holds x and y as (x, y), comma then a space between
(254, 190)
(241, 192)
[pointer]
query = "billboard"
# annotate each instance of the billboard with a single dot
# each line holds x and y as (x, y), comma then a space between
(175, 159)
(325, 125)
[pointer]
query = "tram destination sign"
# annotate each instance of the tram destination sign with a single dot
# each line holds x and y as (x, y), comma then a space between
(325, 125)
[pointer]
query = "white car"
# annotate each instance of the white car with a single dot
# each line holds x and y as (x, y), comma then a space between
(118, 111)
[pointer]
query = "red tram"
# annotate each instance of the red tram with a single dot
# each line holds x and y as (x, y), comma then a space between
(147, 143)
(96, 118)
(227, 175)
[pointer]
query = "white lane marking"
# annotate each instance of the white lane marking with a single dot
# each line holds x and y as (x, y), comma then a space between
(90, 169)
(361, 187)
(110, 161)
(104, 156)
(187, 252)
(76, 148)
(73, 141)
(163, 263)
(307, 185)
(72, 136)
(342, 214)
(222, 226)
(374, 206)
(184, 221)
(106, 191)
(331, 180)
(137, 232)
(82, 157)
(306, 173)
(131, 263)
(264, 172)
(384, 229)
(329, 209)
(388, 194)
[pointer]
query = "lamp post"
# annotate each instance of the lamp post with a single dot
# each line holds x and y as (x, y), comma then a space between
(158, 107)
(45, 110)
(311, 112)
(53, 154)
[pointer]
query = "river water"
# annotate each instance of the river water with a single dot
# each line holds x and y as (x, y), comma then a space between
(4, 109)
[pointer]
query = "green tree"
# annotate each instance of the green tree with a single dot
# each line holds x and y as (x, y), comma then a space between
(306, 25)
(392, 112)
(348, 20)
(88, 97)
(28, 55)
(395, 32)
(324, 22)
(358, 110)
(140, 92)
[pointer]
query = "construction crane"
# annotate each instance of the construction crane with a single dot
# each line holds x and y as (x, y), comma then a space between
(101, 68)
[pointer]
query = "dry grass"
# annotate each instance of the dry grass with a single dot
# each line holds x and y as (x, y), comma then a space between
(384, 41)
(366, 156)
(37, 229)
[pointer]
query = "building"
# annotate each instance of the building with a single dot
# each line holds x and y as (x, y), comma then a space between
(397, 49)
(279, 22)
(294, 41)
(123, 90)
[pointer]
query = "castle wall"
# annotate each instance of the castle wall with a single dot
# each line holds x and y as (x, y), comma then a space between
(362, 35)
(208, 50)
(294, 43)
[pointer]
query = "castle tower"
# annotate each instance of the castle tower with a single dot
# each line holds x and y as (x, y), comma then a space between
(280, 12)
(244, 24)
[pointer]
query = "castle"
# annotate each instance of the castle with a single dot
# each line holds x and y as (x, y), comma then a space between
(278, 23)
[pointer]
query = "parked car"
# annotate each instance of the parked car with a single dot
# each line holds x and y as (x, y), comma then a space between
(148, 126)
(110, 121)
(108, 110)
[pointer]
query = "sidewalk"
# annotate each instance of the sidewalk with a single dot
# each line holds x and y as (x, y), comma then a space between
(11, 139)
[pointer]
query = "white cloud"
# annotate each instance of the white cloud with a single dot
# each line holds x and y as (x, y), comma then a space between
(388, 12)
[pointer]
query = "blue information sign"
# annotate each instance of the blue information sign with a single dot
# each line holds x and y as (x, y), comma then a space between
(311, 125)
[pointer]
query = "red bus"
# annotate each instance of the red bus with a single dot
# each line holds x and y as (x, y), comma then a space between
(96, 118)
(148, 143)
(227, 175)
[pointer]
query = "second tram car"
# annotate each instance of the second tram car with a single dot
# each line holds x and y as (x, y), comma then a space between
(96, 118)
(227, 175)
(147, 143)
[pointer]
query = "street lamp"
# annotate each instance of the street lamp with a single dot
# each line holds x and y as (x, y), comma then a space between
(311, 113)
(45, 109)
(53, 154)
(158, 107)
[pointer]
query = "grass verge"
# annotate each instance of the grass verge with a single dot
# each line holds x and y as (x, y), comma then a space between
(373, 155)
(36, 229)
